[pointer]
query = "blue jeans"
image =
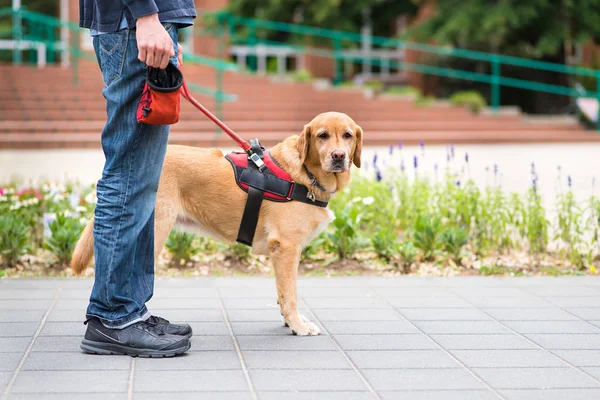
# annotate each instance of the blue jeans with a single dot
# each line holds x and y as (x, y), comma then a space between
(124, 216)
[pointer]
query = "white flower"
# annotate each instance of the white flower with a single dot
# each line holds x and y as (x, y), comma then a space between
(367, 201)
(3, 198)
(91, 198)
(68, 213)
(81, 209)
(15, 206)
(9, 191)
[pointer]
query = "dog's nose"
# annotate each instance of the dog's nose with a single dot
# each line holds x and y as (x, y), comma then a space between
(338, 155)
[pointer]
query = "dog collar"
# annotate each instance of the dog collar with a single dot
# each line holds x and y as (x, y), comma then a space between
(313, 180)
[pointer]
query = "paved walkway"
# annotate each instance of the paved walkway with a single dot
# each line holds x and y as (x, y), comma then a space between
(385, 338)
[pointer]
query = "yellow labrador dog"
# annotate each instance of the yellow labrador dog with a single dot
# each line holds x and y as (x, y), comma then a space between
(199, 185)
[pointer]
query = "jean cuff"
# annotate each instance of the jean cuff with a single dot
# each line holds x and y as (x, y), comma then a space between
(122, 323)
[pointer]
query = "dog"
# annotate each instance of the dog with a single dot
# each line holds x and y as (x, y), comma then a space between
(199, 185)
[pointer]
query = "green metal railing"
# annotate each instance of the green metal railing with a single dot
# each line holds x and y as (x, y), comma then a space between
(249, 31)
(40, 28)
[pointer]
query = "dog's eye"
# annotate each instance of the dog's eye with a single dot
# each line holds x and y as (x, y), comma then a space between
(347, 135)
(323, 135)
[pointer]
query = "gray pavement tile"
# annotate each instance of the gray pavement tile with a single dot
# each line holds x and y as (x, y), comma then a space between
(260, 328)
(402, 359)
(57, 344)
(428, 302)
(67, 316)
(529, 314)
(516, 302)
(189, 316)
(245, 282)
(440, 395)
(567, 341)
(390, 292)
(248, 292)
(14, 344)
(346, 302)
(75, 294)
(5, 377)
(575, 301)
(552, 326)
(29, 284)
(256, 303)
(535, 378)
(63, 329)
(71, 304)
(551, 394)
(203, 343)
(21, 315)
(303, 395)
(162, 303)
(594, 371)
(475, 282)
(443, 314)
(192, 283)
(356, 292)
(295, 360)
(303, 379)
(77, 283)
(15, 329)
(421, 379)
(262, 315)
(189, 381)
(67, 396)
(25, 304)
(201, 360)
(506, 358)
(595, 323)
(194, 396)
(71, 381)
(299, 343)
(368, 327)
(74, 362)
(208, 328)
(568, 291)
(471, 292)
(377, 314)
(385, 342)
(587, 313)
(338, 281)
(460, 327)
(580, 358)
(183, 292)
(483, 342)
(10, 361)
(23, 294)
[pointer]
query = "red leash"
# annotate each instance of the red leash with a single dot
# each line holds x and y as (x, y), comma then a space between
(241, 142)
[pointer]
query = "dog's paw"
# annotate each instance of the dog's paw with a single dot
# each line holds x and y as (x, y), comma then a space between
(307, 328)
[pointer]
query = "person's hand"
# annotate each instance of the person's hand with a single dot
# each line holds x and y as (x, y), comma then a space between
(155, 46)
(179, 55)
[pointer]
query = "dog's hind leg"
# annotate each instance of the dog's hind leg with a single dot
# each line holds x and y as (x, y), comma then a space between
(285, 258)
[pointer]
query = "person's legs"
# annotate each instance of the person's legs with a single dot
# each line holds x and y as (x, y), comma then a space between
(124, 216)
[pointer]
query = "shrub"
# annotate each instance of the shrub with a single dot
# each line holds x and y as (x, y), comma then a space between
(385, 244)
(403, 91)
(470, 98)
(453, 240)
(65, 232)
(239, 252)
(14, 239)
(346, 238)
(427, 235)
(302, 76)
(182, 246)
(409, 254)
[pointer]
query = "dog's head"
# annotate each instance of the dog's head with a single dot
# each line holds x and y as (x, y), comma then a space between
(331, 140)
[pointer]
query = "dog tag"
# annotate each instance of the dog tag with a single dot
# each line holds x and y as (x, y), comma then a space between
(311, 195)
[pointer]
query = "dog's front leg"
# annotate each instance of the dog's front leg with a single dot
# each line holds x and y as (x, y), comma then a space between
(285, 260)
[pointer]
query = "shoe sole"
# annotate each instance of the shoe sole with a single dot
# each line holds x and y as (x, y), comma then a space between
(101, 348)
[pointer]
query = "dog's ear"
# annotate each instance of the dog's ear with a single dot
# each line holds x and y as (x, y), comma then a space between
(358, 149)
(304, 143)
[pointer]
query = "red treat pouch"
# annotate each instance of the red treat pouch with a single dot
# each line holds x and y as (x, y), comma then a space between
(161, 98)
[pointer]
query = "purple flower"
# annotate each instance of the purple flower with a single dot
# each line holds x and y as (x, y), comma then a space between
(458, 183)
(378, 175)
(400, 144)
(422, 144)
(447, 157)
(533, 168)
(415, 162)
(435, 167)
(495, 169)
(391, 149)
(452, 150)
(570, 182)
(402, 166)
(375, 159)
(534, 184)
(467, 158)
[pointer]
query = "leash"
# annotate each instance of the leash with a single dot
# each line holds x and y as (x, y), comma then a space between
(241, 142)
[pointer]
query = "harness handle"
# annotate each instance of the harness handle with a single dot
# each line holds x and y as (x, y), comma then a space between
(241, 142)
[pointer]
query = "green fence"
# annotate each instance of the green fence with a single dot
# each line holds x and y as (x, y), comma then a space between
(250, 30)
(22, 25)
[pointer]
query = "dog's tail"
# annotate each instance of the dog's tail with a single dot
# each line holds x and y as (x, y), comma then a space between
(84, 250)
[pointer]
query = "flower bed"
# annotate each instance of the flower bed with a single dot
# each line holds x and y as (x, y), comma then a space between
(388, 221)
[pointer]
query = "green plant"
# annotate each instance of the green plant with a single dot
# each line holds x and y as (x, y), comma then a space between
(14, 239)
(403, 91)
(424, 101)
(302, 76)
(346, 237)
(239, 252)
(453, 240)
(470, 98)
(426, 235)
(65, 232)
(535, 223)
(385, 244)
(409, 254)
(182, 246)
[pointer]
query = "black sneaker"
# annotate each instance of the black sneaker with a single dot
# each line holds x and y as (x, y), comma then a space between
(140, 339)
(171, 329)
